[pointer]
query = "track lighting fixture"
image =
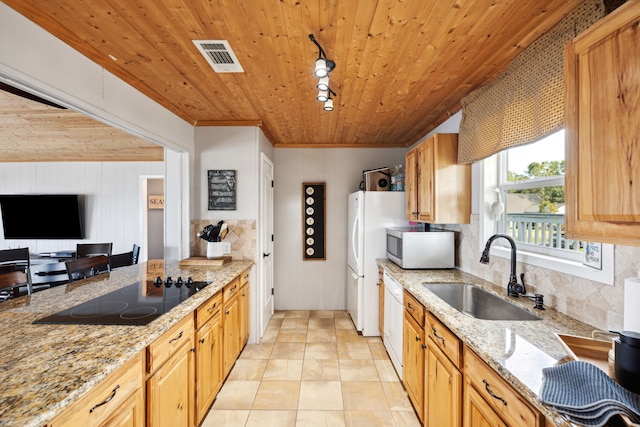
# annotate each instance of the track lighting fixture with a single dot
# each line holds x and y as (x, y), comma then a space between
(323, 67)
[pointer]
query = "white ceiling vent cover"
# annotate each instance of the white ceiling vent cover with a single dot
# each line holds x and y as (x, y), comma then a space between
(219, 55)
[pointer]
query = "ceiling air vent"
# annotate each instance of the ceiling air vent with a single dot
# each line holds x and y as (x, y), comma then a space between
(219, 55)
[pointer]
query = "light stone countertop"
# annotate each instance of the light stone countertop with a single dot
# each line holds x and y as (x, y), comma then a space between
(517, 350)
(44, 368)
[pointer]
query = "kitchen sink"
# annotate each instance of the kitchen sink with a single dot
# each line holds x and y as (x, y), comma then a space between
(478, 303)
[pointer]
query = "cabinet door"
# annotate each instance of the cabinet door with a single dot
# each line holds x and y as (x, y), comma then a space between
(170, 391)
(443, 391)
(413, 363)
(602, 116)
(411, 183)
(426, 183)
(231, 328)
(208, 365)
(245, 311)
(129, 413)
(477, 413)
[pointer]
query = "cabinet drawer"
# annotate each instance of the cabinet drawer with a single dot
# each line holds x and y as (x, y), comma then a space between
(244, 278)
(414, 307)
(169, 343)
(444, 339)
(206, 311)
(231, 289)
(105, 399)
(506, 401)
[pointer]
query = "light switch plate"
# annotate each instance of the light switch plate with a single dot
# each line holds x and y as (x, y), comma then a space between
(227, 248)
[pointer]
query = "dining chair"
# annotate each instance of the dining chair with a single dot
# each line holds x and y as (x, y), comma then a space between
(122, 259)
(82, 268)
(135, 254)
(15, 266)
(84, 250)
(12, 278)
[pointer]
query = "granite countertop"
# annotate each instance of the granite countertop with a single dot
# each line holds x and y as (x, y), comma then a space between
(44, 368)
(517, 350)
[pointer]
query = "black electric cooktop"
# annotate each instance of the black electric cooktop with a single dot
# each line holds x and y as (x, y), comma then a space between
(136, 304)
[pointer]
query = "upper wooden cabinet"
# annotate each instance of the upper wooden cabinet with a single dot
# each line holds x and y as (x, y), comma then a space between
(602, 117)
(438, 189)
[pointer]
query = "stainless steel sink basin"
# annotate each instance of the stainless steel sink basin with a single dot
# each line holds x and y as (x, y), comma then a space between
(478, 303)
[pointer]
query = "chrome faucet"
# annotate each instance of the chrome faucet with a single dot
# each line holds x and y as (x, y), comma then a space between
(514, 288)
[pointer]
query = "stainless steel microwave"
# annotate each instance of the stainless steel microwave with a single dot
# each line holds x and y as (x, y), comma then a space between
(411, 249)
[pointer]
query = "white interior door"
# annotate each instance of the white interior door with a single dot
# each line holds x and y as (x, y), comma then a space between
(266, 243)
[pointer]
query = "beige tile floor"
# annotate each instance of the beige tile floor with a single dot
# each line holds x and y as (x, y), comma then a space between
(312, 369)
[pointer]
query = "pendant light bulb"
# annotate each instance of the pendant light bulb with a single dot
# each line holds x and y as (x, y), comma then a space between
(321, 68)
(328, 105)
(323, 96)
(323, 83)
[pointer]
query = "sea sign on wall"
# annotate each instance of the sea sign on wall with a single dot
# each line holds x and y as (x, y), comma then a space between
(222, 190)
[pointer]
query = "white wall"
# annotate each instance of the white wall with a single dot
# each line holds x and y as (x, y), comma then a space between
(112, 192)
(317, 285)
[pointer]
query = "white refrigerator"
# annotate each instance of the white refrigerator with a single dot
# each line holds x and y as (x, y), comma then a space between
(370, 213)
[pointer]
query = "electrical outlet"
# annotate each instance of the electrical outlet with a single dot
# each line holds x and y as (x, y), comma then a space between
(227, 248)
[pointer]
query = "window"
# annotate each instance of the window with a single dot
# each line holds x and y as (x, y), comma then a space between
(530, 185)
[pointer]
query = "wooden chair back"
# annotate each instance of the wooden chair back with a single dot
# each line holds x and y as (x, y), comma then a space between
(82, 268)
(12, 278)
(121, 260)
(84, 250)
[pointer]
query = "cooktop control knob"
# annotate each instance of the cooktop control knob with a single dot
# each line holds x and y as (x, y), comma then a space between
(179, 282)
(168, 282)
(158, 282)
(189, 282)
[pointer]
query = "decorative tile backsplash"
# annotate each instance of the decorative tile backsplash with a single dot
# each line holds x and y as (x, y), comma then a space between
(591, 302)
(242, 236)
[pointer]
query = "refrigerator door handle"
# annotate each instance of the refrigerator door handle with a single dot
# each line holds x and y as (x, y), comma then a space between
(354, 237)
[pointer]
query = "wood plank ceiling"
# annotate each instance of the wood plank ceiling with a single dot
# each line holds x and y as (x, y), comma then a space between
(402, 65)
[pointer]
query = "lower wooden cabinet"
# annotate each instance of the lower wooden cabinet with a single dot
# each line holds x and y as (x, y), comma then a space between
(116, 401)
(485, 389)
(443, 389)
(231, 325)
(245, 309)
(413, 362)
(208, 355)
(171, 385)
(477, 412)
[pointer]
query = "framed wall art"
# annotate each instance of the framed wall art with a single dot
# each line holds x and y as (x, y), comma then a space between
(222, 190)
(313, 221)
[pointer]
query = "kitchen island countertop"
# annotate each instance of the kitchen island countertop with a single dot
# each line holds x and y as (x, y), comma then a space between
(517, 350)
(47, 367)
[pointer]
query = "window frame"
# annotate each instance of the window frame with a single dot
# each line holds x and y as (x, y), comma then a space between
(491, 173)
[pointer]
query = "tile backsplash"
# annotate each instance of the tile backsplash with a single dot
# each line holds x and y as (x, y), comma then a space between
(242, 236)
(591, 302)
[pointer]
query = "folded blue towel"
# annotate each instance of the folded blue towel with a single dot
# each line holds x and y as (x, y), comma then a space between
(586, 395)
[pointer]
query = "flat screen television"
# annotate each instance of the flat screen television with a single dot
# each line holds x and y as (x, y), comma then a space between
(42, 216)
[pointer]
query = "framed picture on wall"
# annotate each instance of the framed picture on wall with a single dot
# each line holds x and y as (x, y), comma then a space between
(222, 190)
(313, 221)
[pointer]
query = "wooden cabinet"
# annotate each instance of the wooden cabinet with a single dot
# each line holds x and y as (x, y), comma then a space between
(443, 380)
(489, 399)
(245, 309)
(116, 401)
(231, 324)
(208, 354)
(171, 385)
(413, 348)
(602, 116)
(438, 189)
(381, 302)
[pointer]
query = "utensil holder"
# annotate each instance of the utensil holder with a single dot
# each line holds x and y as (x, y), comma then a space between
(215, 250)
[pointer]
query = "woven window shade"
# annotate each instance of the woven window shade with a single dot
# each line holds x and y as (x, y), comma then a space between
(525, 103)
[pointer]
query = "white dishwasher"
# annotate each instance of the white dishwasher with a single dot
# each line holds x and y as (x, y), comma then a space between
(393, 320)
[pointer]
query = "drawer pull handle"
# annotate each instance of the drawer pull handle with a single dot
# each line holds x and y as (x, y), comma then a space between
(227, 312)
(435, 334)
(176, 338)
(492, 394)
(107, 400)
(409, 305)
(210, 309)
(201, 340)
(417, 338)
